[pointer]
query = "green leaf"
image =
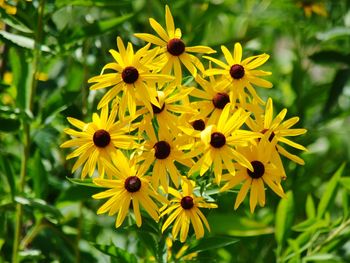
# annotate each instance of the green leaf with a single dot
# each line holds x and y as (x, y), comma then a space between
(338, 84)
(310, 224)
(330, 56)
(38, 175)
(345, 203)
(329, 192)
(85, 182)
(21, 41)
(95, 29)
(12, 21)
(211, 243)
(9, 124)
(310, 207)
(345, 181)
(21, 76)
(319, 257)
(229, 224)
(5, 163)
(284, 218)
(333, 33)
(122, 255)
(39, 204)
(77, 193)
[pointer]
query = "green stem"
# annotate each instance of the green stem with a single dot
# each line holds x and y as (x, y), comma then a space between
(26, 136)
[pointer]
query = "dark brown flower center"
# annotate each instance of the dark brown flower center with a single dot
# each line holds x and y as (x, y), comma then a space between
(220, 100)
(130, 75)
(157, 110)
(176, 47)
(162, 150)
(259, 170)
(132, 184)
(271, 136)
(187, 202)
(101, 138)
(198, 125)
(237, 71)
(217, 139)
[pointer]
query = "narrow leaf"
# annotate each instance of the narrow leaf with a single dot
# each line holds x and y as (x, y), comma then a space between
(310, 207)
(12, 21)
(21, 41)
(121, 255)
(329, 192)
(85, 182)
(284, 218)
(212, 243)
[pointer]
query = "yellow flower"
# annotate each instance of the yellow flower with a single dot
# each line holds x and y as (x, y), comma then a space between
(97, 141)
(173, 102)
(212, 98)
(9, 9)
(277, 128)
(129, 186)
(184, 209)
(173, 50)
(219, 142)
(263, 171)
(313, 7)
(162, 153)
(132, 76)
(238, 74)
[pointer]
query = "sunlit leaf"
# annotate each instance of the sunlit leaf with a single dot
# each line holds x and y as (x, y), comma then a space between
(121, 255)
(329, 192)
(21, 41)
(284, 218)
(14, 22)
(310, 207)
(212, 243)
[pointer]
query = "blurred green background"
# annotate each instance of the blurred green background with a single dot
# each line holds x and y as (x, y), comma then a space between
(48, 50)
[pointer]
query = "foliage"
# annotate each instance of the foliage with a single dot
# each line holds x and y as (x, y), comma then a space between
(48, 51)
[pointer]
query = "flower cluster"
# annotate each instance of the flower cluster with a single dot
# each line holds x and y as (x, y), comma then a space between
(155, 139)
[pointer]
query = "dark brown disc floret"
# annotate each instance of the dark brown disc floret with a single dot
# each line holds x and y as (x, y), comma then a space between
(220, 100)
(217, 139)
(162, 150)
(187, 202)
(176, 47)
(132, 184)
(130, 75)
(198, 125)
(157, 110)
(237, 71)
(101, 138)
(259, 170)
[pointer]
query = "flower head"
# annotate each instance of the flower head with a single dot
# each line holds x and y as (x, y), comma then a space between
(264, 171)
(239, 74)
(127, 186)
(97, 142)
(174, 51)
(219, 142)
(271, 128)
(184, 209)
(132, 76)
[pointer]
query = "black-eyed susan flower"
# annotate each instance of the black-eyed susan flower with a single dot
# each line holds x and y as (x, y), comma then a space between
(219, 142)
(97, 142)
(129, 185)
(173, 102)
(132, 76)
(264, 171)
(173, 50)
(162, 151)
(277, 128)
(184, 210)
(212, 98)
(312, 6)
(239, 74)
